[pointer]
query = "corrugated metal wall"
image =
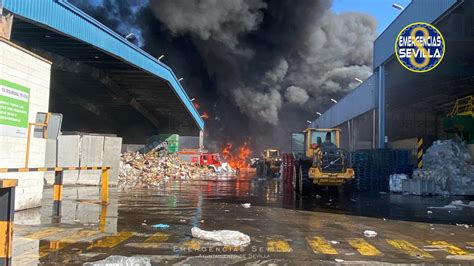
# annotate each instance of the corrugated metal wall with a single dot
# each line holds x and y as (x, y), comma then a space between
(418, 11)
(66, 18)
(357, 102)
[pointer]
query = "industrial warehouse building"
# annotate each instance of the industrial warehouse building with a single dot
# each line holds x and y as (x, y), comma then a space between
(394, 106)
(56, 58)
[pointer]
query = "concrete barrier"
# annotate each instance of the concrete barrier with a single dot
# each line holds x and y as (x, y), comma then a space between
(91, 153)
(111, 158)
(68, 155)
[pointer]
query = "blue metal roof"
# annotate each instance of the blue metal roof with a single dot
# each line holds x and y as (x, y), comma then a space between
(357, 102)
(68, 19)
(417, 11)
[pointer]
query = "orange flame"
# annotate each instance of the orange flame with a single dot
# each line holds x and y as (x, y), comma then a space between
(239, 157)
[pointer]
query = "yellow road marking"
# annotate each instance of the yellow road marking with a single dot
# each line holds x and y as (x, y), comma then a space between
(320, 245)
(450, 248)
(111, 241)
(50, 247)
(191, 244)
(278, 245)
(158, 237)
(409, 248)
(363, 247)
(79, 235)
(41, 234)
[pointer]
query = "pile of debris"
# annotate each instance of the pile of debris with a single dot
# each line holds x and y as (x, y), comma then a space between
(148, 170)
(447, 163)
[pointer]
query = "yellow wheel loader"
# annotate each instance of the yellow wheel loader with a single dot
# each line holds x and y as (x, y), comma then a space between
(269, 164)
(319, 160)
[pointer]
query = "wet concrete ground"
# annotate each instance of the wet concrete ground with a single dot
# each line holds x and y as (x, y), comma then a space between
(284, 228)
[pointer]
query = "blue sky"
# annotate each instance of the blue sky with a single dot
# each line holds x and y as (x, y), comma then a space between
(382, 10)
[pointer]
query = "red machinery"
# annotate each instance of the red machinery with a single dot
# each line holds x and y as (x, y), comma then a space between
(288, 161)
(205, 159)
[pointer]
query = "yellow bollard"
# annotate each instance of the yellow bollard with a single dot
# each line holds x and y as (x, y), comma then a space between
(7, 210)
(105, 185)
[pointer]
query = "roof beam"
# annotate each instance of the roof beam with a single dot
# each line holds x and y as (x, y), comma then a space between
(63, 63)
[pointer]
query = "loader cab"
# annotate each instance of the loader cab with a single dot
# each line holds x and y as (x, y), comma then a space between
(271, 154)
(305, 144)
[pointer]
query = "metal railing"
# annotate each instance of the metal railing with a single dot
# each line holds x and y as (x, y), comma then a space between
(7, 201)
(463, 106)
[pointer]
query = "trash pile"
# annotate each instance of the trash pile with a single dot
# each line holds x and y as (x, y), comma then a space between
(448, 164)
(225, 237)
(148, 170)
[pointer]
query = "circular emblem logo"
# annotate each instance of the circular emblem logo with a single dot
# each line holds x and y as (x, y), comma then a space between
(420, 47)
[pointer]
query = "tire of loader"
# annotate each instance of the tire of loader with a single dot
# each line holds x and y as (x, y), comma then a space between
(294, 181)
(304, 184)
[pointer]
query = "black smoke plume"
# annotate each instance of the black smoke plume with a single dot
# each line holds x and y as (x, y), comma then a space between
(260, 68)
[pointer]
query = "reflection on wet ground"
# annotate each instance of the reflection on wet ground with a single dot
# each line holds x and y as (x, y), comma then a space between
(283, 227)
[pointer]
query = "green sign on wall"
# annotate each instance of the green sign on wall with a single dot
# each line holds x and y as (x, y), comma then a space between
(14, 107)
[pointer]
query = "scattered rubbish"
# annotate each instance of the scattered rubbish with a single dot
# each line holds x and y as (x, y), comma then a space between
(463, 225)
(455, 204)
(370, 233)
(318, 196)
(349, 253)
(121, 260)
(77, 220)
(382, 192)
(148, 170)
(334, 242)
(384, 219)
(448, 164)
(226, 237)
(429, 212)
(354, 200)
(246, 205)
(161, 226)
(395, 182)
(226, 210)
(339, 260)
(469, 247)
(143, 223)
(182, 220)
(202, 221)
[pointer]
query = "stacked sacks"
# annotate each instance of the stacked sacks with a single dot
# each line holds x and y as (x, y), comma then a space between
(448, 164)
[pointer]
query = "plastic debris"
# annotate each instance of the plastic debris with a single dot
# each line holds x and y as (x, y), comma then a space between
(226, 237)
(429, 212)
(122, 261)
(455, 204)
(246, 205)
(318, 196)
(182, 220)
(370, 233)
(448, 164)
(161, 226)
(339, 260)
(395, 182)
(334, 242)
(463, 225)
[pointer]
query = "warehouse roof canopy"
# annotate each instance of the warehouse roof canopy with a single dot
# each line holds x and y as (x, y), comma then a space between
(134, 77)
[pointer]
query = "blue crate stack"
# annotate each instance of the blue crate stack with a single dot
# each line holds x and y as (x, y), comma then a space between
(373, 167)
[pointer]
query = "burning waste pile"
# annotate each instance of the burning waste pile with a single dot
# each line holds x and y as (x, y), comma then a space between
(448, 164)
(148, 170)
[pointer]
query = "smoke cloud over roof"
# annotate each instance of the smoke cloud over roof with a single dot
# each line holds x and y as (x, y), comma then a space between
(260, 68)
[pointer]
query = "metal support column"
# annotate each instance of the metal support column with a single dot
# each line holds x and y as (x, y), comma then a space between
(7, 210)
(381, 104)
